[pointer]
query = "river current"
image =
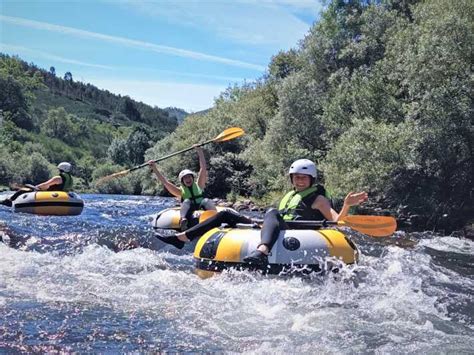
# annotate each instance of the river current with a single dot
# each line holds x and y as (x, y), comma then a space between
(66, 286)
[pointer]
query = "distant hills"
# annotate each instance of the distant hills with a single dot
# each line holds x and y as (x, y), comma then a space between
(180, 114)
(47, 118)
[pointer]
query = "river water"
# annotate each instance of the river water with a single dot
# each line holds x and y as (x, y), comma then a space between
(63, 287)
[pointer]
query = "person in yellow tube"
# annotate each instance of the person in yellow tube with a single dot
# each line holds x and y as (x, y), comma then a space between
(190, 191)
(61, 182)
(306, 201)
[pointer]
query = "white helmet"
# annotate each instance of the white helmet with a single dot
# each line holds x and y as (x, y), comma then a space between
(65, 166)
(185, 172)
(304, 166)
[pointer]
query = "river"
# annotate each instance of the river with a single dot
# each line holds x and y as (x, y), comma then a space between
(64, 288)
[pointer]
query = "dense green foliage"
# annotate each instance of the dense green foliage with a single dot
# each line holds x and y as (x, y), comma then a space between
(379, 94)
(45, 120)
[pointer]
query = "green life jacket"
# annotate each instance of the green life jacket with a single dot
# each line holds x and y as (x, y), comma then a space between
(297, 205)
(66, 185)
(194, 193)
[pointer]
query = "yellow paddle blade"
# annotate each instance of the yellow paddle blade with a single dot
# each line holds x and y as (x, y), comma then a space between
(228, 134)
(19, 187)
(15, 186)
(112, 176)
(206, 215)
(375, 226)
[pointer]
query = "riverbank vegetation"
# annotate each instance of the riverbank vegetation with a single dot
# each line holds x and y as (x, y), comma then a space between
(379, 94)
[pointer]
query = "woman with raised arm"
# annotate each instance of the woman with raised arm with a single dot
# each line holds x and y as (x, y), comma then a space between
(190, 191)
(306, 201)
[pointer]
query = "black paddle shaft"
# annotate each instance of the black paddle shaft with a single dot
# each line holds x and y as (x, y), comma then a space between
(171, 155)
(303, 223)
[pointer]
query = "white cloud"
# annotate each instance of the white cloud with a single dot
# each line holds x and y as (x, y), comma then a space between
(17, 50)
(229, 79)
(23, 50)
(297, 5)
(129, 42)
(271, 22)
(190, 97)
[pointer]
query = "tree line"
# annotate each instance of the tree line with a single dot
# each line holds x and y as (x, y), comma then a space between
(378, 94)
(46, 119)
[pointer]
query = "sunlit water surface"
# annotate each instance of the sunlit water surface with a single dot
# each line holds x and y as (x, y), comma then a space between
(64, 287)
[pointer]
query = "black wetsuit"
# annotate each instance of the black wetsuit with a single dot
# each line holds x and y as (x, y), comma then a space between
(273, 221)
(227, 216)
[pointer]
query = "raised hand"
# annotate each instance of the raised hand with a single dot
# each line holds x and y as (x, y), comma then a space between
(356, 198)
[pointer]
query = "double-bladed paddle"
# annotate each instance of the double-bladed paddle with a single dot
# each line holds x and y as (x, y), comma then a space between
(26, 187)
(374, 226)
(224, 136)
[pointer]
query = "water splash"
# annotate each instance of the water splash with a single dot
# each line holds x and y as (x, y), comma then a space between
(66, 289)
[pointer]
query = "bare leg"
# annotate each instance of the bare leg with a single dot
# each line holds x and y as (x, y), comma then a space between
(208, 205)
(185, 209)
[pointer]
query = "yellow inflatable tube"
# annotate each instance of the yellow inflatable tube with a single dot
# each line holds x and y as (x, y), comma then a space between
(169, 218)
(49, 203)
(308, 250)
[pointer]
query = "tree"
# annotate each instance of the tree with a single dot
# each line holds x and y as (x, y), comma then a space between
(39, 168)
(68, 76)
(60, 125)
(13, 103)
(118, 152)
(137, 143)
(130, 110)
(52, 71)
(284, 64)
(416, 149)
(130, 184)
(12, 99)
(29, 80)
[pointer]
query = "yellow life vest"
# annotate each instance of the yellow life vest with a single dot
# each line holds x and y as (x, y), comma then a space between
(194, 193)
(293, 206)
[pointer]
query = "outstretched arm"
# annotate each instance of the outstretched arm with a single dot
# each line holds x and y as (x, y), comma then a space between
(56, 180)
(352, 199)
(202, 176)
(172, 188)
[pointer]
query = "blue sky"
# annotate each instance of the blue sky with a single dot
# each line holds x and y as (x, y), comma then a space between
(179, 53)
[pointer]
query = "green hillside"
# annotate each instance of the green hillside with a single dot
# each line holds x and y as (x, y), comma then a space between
(46, 119)
(378, 94)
